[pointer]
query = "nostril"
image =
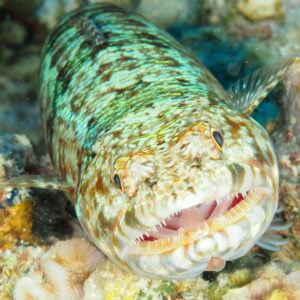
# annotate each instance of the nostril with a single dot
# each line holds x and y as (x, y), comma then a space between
(150, 182)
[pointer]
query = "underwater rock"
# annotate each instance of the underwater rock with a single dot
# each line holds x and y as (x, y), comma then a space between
(26, 214)
(269, 280)
(162, 13)
(15, 225)
(256, 10)
(169, 13)
(60, 273)
(22, 7)
(16, 155)
(287, 143)
(15, 263)
(52, 216)
(18, 110)
(270, 39)
(19, 62)
(25, 67)
(271, 283)
(12, 32)
(49, 12)
(110, 283)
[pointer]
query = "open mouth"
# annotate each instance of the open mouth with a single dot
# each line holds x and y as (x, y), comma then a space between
(190, 219)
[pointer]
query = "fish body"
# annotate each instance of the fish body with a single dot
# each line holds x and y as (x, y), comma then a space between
(170, 174)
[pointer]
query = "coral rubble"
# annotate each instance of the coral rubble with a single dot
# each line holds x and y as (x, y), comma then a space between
(14, 263)
(271, 283)
(15, 225)
(257, 10)
(110, 283)
(16, 154)
(60, 273)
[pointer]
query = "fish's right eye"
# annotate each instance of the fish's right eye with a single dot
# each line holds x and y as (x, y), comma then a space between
(218, 138)
(117, 181)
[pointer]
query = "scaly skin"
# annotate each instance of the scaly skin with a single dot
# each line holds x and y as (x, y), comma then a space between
(120, 96)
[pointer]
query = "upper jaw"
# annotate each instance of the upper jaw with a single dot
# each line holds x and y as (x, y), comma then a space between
(219, 205)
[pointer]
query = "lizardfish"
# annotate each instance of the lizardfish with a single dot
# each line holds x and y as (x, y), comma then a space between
(168, 173)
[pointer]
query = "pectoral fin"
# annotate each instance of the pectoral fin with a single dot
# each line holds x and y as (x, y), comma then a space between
(272, 239)
(246, 94)
(31, 181)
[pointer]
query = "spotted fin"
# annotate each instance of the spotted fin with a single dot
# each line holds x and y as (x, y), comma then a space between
(247, 93)
(91, 32)
(272, 239)
(31, 181)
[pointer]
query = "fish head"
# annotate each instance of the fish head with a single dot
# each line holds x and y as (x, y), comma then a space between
(204, 194)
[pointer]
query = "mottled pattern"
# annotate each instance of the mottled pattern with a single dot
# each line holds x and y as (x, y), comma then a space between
(120, 96)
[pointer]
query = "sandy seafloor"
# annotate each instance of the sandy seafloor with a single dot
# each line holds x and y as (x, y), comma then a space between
(232, 38)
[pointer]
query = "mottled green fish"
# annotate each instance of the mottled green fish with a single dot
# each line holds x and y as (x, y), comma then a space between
(169, 174)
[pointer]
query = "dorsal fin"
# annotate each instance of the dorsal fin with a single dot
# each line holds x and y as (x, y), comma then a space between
(247, 93)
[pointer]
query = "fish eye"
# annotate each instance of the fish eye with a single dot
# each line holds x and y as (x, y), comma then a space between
(218, 138)
(117, 181)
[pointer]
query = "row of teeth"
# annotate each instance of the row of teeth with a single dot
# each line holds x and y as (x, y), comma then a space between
(167, 240)
(154, 229)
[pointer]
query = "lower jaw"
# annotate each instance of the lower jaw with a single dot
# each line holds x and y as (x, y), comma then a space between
(185, 261)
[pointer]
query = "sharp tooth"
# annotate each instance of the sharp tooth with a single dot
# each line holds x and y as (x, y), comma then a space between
(164, 223)
(206, 226)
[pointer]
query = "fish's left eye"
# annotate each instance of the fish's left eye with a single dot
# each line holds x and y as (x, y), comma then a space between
(218, 138)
